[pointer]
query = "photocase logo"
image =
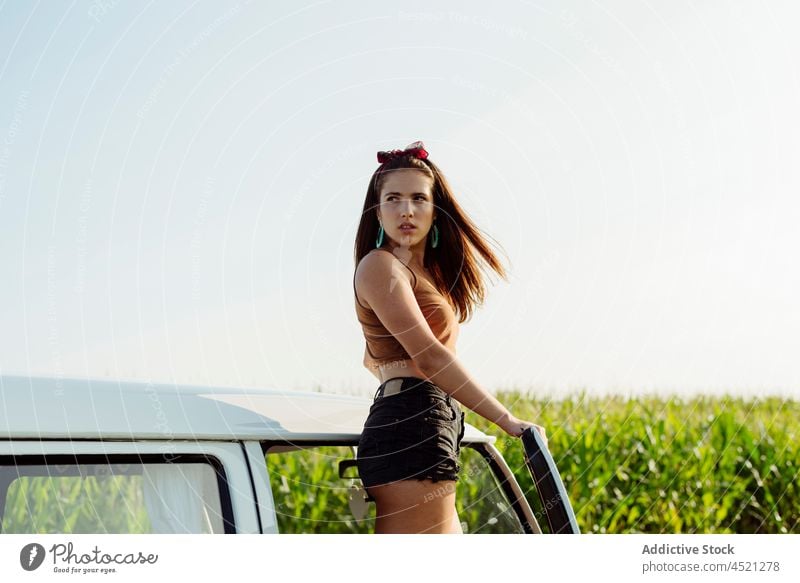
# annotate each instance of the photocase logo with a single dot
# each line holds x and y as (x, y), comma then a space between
(31, 556)
(65, 559)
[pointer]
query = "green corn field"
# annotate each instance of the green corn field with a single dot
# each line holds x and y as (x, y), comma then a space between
(644, 465)
(669, 465)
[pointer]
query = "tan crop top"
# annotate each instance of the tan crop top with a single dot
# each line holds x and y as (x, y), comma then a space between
(382, 346)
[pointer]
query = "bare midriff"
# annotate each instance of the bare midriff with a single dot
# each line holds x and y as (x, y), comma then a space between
(399, 368)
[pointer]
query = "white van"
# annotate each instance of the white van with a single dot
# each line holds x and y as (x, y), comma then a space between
(98, 456)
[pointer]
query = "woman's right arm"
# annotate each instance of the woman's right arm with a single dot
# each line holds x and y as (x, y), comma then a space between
(380, 279)
(446, 371)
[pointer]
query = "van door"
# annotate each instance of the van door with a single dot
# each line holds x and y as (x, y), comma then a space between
(555, 502)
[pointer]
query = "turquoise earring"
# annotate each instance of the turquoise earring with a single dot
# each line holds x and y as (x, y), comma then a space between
(379, 241)
(435, 241)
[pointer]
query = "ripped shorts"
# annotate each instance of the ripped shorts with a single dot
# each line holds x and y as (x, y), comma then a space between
(411, 435)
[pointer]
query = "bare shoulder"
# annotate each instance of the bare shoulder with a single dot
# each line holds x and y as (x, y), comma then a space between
(378, 273)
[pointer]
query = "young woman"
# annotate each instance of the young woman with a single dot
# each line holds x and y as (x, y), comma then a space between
(416, 280)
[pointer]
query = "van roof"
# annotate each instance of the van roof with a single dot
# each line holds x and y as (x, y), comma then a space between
(39, 407)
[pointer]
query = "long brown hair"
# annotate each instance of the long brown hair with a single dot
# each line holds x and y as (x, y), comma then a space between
(453, 263)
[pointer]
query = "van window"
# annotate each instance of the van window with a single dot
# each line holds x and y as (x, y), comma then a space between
(67, 494)
(310, 497)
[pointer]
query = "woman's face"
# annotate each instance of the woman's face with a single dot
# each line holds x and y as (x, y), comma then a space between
(407, 197)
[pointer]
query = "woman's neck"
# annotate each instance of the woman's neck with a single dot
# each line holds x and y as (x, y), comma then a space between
(413, 257)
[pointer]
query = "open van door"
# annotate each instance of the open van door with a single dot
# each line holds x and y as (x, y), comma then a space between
(553, 495)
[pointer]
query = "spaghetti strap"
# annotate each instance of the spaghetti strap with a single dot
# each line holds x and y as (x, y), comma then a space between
(414, 285)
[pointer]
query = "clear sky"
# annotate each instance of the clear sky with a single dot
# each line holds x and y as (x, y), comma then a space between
(180, 185)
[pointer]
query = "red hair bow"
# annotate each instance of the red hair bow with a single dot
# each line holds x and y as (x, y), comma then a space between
(417, 149)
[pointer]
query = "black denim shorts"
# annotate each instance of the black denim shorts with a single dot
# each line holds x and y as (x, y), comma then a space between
(412, 435)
